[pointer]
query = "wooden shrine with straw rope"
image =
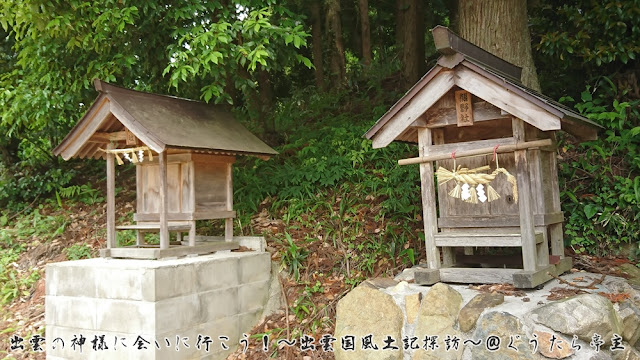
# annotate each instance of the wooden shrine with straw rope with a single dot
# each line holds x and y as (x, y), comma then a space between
(183, 151)
(486, 152)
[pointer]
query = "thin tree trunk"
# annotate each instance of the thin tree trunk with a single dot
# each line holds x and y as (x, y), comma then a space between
(335, 31)
(401, 7)
(500, 27)
(316, 44)
(366, 32)
(413, 44)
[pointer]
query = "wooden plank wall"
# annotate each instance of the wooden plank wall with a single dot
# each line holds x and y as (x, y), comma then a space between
(210, 186)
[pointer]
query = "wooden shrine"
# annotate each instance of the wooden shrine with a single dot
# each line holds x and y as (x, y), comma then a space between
(183, 151)
(492, 141)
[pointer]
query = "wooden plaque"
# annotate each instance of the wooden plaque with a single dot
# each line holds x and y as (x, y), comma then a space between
(129, 137)
(464, 111)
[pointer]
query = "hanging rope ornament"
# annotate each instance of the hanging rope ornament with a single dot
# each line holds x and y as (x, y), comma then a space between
(130, 154)
(470, 183)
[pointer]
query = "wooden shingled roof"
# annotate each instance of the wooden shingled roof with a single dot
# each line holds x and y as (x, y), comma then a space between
(466, 66)
(160, 122)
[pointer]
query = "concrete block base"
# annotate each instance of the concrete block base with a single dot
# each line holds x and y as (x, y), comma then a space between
(189, 308)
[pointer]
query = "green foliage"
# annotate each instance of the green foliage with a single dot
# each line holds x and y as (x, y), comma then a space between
(293, 256)
(596, 31)
(600, 185)
(79, 251)
(16, 282)
(83, 193)
(270, 38)
(20, 184)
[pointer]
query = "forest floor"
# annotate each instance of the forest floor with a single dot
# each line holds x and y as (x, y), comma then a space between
(324, 275)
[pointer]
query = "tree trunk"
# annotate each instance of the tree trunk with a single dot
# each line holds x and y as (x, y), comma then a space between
(334, 25)
(366, 32)
(413, 42)
(316, 44)
(401, 7)
(500, 27)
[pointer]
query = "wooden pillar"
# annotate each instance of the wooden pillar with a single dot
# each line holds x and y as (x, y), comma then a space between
(192, 202)
(164, 228)
(428, 190)
(537, 198)
(111, 199)
(525, 204)
(448, 253)
(139, 204)
(228, 222)
(555, 230)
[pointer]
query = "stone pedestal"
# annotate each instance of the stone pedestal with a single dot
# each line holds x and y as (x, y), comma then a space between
(154, 309)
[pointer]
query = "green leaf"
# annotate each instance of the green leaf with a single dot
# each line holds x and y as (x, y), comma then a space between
(590, 210)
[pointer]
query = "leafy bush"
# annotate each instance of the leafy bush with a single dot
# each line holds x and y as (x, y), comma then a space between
(600, 187)
(79, 251)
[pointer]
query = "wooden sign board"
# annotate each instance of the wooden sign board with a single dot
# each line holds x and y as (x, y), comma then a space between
(464, 111)
(130, 139)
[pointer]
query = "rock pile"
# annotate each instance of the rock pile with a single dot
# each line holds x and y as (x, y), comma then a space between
(387, 319)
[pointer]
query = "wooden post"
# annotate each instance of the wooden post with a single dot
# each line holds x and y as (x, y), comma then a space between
(164, 229)
(228, 223)
(111, 199)
(192, 202)
(525, 204)
(429, 215)
(555, 230)
(139, 200)
(448, 253)
(537, 198)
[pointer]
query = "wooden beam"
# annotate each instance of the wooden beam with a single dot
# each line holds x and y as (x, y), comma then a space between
(478, 275)
(497, 95)
(445, 116)
(420, 103)
(164, 206)
(525, 204)
(496, 220)
(428, 190)
(111, 200)
(471, 145)
(481, 240)
(443, 155)
(105, 137)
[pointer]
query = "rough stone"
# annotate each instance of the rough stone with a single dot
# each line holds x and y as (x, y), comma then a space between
(582, 315)
(507, 328)
(406, 275)
(629, 353)
(412, 306)
(437, 317)
(382, 282)
(559, 349)
(630, 316)
(633, 272)
(471, 312)
(368, 311)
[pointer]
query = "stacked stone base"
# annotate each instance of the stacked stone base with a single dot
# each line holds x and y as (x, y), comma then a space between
(191, 308)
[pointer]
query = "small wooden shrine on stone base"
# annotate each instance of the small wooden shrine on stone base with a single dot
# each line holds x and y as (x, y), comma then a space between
(493, 143)
(183, 151)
